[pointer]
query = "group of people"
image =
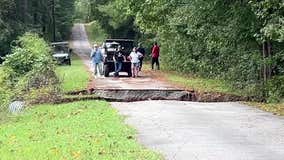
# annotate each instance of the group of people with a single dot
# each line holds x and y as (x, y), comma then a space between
(136, 58)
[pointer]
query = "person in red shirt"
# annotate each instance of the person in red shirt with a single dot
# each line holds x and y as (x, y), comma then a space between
(155, 56)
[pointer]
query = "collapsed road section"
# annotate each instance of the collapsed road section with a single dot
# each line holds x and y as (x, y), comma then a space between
(132, 95)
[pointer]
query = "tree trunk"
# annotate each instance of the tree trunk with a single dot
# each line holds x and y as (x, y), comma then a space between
(53, 21)
(269, 54)
(266, 70)
(264, 55)
(25, 11)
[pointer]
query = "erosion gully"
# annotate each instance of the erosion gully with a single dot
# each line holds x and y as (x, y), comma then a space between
(132, 95)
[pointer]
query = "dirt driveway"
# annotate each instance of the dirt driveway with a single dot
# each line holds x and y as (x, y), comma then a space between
(82, 47)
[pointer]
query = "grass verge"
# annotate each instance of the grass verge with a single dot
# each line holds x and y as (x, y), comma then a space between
(95, 32)
(74, 77)
(212, 85)
(275, 108)
(80, 130)
(201, 84)
(193, 82)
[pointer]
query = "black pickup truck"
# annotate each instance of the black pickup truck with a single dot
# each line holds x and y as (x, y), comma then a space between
(110, 48)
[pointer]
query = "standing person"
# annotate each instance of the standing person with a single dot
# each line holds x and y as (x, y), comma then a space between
(141, 50)
(97, 60)
(155, 55)
(134, 57)
(118, 58)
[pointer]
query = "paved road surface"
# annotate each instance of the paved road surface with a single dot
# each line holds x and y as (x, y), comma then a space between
(193, 131)
(206, 131)
(82, 47)
(80, 44)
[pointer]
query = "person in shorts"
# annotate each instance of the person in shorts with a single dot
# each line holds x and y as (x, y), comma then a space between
(135, 63)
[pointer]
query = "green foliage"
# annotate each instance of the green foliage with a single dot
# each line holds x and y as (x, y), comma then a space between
(214, 38)
(96, 33)
(5, 98)
(8, 25)
(275, 87)
(82, 10)
(28, 69)
(64, 15)
(80, 130)
(112, 16)
(271, 14)
(20, 16)
(31, 53)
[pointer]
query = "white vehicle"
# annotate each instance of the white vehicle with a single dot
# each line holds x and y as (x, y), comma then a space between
(61, 52)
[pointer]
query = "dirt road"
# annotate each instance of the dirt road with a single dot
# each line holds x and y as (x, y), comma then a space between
(80, 44)
(193, 131)
(82, 47)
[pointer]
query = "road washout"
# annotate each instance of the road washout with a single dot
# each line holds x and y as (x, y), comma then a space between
(125, 89)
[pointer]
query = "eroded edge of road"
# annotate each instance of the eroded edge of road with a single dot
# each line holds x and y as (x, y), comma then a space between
(132, 95)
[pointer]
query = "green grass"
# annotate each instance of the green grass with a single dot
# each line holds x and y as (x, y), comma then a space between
(194, 82)
(95, 32)
(80, 130)
(202, 84)
(74, 77)
(275, 108)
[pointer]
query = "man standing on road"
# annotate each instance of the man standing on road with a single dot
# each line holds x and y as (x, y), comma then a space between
(141, 50)
(97, 60)
(155, 55)
(118, 58)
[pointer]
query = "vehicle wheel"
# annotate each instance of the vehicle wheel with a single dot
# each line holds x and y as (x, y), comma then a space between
(69, 62)
(106, 70)
(129, 73)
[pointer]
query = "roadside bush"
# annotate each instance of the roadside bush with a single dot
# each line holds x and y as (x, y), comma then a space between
(275, 88)
(5, 98)
(29, 72)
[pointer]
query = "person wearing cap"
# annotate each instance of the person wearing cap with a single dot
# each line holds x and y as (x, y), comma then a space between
(118, 58)
(97, 60)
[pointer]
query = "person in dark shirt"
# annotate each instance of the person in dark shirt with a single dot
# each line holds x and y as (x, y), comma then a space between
(118, 58)
(155, 55)
(141, 50)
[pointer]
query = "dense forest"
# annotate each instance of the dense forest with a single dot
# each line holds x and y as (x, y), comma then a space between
(241, 42)
(50, 19)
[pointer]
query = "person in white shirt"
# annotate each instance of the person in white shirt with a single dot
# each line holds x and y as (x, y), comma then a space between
(134, 58)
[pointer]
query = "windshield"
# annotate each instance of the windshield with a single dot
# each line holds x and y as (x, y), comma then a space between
(110, 46)
(61, 49)
(126, 46)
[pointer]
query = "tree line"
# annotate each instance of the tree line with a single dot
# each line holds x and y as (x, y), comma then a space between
(51, 19)
(239, 41)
